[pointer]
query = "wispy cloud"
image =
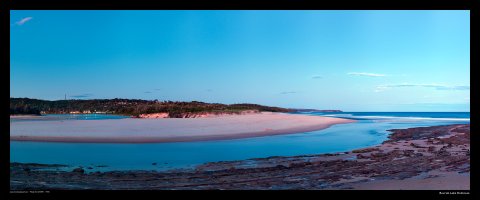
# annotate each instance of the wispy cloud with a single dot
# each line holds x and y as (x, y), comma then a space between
(288, 92)
(209, 90)
(316, 77)
(147, 92)
(158, 89)
(366, 74)
(23, 21)
(435, 86)
(82, 95)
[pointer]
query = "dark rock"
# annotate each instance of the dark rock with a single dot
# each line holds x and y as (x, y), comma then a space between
(378, 155)
(280, 167)
(367, 171)
(420, 133)
(408, 153)
(443, 152)
(154, 163)
(361, 156)
(416, 145)
(364, 150)
(79, 170)
(330, 154)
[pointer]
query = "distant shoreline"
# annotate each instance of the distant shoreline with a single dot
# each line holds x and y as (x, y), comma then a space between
(24, 116)
(131, 107)
(131, 130)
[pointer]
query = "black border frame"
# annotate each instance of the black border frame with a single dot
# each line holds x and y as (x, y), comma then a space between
(8, 5)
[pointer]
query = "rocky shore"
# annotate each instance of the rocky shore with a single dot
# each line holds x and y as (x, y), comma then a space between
(435, 158)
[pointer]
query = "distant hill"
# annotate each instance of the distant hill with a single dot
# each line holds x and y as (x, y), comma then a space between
(130, 107)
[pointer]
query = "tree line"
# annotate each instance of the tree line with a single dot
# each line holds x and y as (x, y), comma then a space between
(130, 107)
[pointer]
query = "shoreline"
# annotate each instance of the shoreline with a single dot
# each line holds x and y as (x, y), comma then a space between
(131, 130)
(24, 116)
(425, 158)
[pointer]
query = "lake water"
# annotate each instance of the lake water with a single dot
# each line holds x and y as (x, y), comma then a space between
(370, 129)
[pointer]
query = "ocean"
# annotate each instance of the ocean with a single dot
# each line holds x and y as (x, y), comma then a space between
(369, 130)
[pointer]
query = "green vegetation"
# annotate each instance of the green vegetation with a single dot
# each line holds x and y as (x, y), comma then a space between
(130, 107)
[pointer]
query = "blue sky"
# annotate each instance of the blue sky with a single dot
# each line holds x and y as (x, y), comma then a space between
(348, 60)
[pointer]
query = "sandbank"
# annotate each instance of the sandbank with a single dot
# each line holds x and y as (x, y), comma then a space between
(132, 130)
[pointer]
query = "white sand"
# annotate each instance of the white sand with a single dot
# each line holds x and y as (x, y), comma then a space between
(132, 130)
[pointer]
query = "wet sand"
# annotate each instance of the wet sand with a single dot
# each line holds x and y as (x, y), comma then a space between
(427, 158)
(132, 130)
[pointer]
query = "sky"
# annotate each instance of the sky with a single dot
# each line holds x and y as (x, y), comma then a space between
(347, 60)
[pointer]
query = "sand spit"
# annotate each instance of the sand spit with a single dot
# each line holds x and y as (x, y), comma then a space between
(132, 130)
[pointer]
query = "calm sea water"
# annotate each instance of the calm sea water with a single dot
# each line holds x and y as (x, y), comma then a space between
(369, 130)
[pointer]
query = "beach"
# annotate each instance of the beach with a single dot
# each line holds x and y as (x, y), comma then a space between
(134, 130)
(425, 158)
